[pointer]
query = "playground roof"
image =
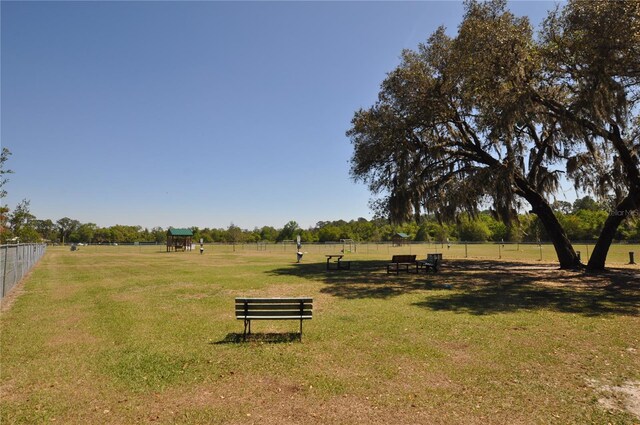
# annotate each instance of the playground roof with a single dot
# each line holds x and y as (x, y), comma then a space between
(180, 232)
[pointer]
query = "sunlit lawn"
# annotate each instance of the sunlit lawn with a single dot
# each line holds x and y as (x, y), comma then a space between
(136, 335)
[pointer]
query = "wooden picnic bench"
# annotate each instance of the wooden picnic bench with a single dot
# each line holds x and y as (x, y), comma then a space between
(340, 265)
(401, 261)
(248, 309)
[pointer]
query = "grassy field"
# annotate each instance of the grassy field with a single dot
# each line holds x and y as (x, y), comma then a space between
(529, 252)
(135, 335)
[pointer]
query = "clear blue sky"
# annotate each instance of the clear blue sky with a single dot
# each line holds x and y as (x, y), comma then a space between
(198, 113)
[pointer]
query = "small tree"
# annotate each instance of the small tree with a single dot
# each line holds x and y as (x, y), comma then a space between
(21, 217)
(4, 157)
(66, 226)
(288, 232)
(234, 234)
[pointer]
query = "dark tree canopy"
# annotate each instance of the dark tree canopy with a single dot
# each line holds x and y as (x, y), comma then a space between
(591, 53)
(493, 115)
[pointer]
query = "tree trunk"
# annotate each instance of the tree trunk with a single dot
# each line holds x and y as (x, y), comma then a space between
(564, 249)
(623, 210)
(630, 204)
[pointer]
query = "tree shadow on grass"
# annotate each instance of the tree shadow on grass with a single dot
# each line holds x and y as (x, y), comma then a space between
(365, 279)
(516, 297)
(491, 287)
(271, 338)
(486, 287)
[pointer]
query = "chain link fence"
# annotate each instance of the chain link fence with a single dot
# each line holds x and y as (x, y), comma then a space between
(619, 252)
(16, 261)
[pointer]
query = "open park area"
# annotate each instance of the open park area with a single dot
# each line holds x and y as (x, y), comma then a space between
(137, 335)
(133, 130)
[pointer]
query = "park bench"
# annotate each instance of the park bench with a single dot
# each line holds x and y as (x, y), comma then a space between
(428, 264)
(248, 309)
(401, 261)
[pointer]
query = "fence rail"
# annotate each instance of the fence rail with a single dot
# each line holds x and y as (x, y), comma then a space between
(16, 261)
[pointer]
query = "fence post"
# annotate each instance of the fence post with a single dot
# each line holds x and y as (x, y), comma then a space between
(587, 250)
(16, 274)
(540, 245)
(4, 271)
(631, 259)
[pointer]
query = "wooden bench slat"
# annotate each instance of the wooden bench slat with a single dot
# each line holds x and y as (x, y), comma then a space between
(288, 313)
(274, 300)
(241, 307)
(274, 317)
(250, 303)
(403, 259)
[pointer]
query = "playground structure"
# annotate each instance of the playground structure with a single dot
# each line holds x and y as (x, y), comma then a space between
(179, 240)
(348, 245)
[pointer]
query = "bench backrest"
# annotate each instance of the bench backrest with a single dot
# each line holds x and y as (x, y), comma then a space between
(403, 259)
(274, 308)
(433, 262)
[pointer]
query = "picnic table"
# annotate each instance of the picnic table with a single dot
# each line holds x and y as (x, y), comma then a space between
(401, 261)
(340, 265)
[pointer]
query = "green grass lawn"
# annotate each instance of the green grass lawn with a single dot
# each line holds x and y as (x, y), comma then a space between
(136, 335)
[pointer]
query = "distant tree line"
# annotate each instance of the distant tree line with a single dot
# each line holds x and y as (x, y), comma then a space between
(582, 220)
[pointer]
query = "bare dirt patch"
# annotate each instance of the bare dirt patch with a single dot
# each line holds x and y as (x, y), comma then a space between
(276, 400)
(625, 397)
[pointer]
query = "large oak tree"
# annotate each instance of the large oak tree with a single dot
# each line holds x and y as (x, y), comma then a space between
(487, 116)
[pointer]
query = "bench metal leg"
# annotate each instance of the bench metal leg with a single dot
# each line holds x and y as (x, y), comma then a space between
(247, 325)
